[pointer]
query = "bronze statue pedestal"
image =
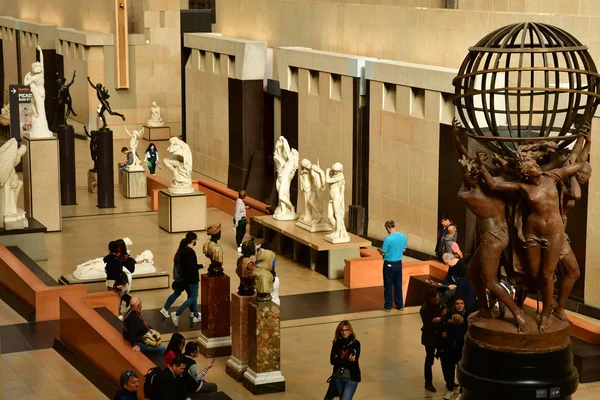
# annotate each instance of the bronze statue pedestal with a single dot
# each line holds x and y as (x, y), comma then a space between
(500, 363)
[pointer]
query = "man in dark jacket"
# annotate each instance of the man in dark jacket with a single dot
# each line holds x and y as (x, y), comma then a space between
(113, 268)
(171, 385)
(135, 327)
(457, 283)
(431, 312)
(189, 267)
(445, 222)
(129, 386)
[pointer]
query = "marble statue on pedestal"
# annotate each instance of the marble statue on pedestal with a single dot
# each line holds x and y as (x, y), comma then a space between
(214, 251)
(312, 184)
(286, 165)
(133, 144)
(94, 269)
(155, 118)
(102, 94)
(35, 81)
(334, 177)
(5, 113)
(181, 166)
(11, 217)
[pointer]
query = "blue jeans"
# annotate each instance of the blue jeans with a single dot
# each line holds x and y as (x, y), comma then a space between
(178, 288)
(191, 302)
(346, 388)
(122, 169)
(144, 348)
(392, 276)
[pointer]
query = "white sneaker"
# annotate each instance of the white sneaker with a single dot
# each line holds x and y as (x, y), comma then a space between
(448, 395)
(459, 396)
(175, 319)
(164, 312)
(239, 249)
(457, 389)
(196, 320)
(121, 317)
(234, 229)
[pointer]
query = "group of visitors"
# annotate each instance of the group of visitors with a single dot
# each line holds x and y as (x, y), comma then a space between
(180, 379)
(119, 266)
(150, 158)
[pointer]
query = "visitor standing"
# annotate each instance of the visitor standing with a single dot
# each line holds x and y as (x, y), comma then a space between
(188, 263)
(178, 284)
(344, 356)
(453, 338)
(456, 282)
(445, 222)
(432, 312)
(151, 158)
(239, 219)
(394, 245)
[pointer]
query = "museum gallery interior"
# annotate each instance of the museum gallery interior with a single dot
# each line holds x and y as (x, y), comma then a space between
(299, 199)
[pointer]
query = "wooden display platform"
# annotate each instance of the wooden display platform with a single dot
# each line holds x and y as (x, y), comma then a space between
(309, 248)
(157, 280)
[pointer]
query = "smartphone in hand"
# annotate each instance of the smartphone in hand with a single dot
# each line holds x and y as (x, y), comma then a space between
(213, 360)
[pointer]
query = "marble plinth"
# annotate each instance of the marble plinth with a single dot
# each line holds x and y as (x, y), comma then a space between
(92, 180)
(41, 181)
(264, 349)
(319, 227)
(182, 212)
(215, 339)
(238, 362)
(156, 133)
(14, 221)
(336, 240)
(134, 184)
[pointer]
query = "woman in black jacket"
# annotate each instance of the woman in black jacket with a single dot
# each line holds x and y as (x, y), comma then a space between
(345, 353)
(188, 263)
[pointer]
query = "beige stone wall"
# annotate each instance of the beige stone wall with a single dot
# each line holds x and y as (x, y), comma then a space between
(207, 113)
(9, 53)
(592, 257)
(403, 162)
(569, 7)
(29, 41)
(430, 36)
(325, 123)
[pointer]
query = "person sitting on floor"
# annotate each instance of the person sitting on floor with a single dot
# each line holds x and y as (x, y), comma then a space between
(137, 331)
(194, 379)
(130, 383)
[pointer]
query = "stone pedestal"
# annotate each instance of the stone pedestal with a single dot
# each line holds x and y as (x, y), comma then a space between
(541, 364)
(134, 184)
(106, 178)
(215, 339)
(182, 212)
(336, 240)
(92, 180)
(66, 141)
(156, 133)
(264, 349)
(322, 227)
(41, 182)
(238, 362)
(14, 221)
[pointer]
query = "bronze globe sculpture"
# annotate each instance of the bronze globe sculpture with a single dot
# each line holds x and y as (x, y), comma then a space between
(524, 83)
(526, 92)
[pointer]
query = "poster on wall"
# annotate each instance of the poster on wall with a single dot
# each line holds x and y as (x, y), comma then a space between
(20, 111)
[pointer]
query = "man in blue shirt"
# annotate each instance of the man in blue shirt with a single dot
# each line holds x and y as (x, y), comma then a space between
(393, 248)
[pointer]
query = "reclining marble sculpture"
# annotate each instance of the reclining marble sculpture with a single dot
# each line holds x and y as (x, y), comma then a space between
(180, 164)
(11, 217)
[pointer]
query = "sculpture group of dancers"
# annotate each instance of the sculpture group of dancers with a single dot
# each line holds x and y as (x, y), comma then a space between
(313, 183)
(521, 205)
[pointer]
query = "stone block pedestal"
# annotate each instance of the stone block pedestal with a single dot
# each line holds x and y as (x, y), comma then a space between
(41, 182)
(238, 362)
(92, 182)
(134, 184)
(156, 133)
(321, 227)
(264, 349)
(215, 339)
(182, 212)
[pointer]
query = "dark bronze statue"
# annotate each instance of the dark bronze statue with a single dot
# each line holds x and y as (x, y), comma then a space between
(93, 147)
(103, 97)
(214, 251)
(65, 106)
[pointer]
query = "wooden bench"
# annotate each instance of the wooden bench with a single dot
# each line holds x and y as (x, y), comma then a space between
(309, 248)
(18, 279)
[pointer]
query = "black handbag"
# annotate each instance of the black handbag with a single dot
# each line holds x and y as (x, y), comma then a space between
(332, 392)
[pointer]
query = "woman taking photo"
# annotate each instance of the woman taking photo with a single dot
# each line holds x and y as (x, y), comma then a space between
(345, 353)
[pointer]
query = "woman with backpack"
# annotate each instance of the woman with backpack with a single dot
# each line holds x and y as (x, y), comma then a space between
(178, 284)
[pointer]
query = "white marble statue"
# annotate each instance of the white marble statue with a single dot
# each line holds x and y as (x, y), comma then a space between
(133, 145)
(312, 184)
(334, 177)
(5, 113)
(155, 118)
(11, 217)
(35, 81)
(180, 163)
(94, 269)
(286, 165)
